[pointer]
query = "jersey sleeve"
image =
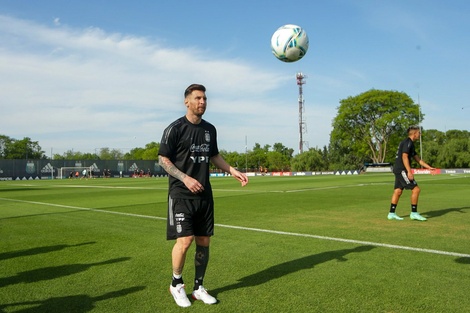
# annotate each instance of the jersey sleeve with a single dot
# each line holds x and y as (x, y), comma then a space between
(215, 149)
(409, 148)
(168, 142)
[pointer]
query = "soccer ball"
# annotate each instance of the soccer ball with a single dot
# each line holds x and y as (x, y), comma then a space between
(289, 43)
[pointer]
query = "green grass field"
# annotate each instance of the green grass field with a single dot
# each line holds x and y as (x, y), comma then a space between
(281, 244)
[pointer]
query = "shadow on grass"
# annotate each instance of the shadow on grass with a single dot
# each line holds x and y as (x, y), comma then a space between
(463, 260)
(22, 188)
(289, 267)
(69, 304)
(38, 250)
(39, 214)
(53, 272)
(433, 214)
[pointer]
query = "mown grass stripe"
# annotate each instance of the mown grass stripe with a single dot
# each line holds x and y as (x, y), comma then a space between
(360, 242)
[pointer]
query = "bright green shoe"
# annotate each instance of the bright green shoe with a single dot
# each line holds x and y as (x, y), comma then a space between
(394, 216)
(416, 216)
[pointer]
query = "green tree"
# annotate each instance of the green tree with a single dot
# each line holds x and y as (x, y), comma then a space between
(260, 157)
(431, 153)
(110, 154)
(455, 154)
(75, 155)
(278, 161)
(433, 135)
(135, 154)
(279, 147)
(432, 141)
(311, 160)
(367, 124)
(341, 155)
(20, 149)
(149, 152)
(446, 149)
(5, 144)
(235, 159)
(457, 134)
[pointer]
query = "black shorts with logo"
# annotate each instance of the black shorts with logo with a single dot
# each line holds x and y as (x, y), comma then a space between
(403, 182)
(190, 217)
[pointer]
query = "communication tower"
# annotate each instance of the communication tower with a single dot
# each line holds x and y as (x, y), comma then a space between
(302, 124)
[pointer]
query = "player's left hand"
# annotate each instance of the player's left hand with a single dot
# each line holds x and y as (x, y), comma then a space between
(242, 178)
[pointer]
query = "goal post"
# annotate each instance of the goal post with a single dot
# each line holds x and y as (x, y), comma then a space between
(71, 171)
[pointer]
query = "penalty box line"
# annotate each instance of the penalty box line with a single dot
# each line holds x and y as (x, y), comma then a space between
(360, 242)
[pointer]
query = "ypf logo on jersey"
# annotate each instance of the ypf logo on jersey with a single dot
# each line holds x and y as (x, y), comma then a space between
(200, 159)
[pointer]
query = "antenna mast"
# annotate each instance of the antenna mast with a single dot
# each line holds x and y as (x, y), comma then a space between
(302, 125)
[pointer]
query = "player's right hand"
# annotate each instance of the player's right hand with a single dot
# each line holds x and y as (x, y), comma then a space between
(193, 185)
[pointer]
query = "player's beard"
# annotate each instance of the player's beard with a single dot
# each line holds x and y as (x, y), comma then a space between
(199, 111)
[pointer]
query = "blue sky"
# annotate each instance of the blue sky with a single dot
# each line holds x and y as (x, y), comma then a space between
(84, 75)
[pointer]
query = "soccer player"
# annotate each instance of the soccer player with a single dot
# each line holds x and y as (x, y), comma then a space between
(404, 178)
(187, 148)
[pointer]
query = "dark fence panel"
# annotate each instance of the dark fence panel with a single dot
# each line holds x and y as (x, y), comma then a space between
(48, 169)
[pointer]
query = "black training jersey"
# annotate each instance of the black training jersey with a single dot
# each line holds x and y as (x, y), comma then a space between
(406, 146)
(189, 147)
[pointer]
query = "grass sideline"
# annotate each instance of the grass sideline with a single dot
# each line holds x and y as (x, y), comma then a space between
(282, 244)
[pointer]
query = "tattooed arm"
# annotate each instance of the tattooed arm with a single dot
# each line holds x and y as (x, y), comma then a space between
(170, 168)
(193, 185)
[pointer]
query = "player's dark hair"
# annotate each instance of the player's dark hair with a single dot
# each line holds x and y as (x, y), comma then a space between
(193, 87)
(413, 127)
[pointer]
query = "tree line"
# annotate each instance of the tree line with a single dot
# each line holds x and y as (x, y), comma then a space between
(367, 129)
(450, 149)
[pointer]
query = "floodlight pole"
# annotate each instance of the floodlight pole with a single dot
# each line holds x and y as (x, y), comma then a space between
(420, 131)
(246, 154)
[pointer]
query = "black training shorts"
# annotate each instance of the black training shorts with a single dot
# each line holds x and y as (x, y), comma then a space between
(403, 182)
(190, 217)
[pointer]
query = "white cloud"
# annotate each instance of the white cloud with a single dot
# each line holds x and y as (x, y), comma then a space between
(86, 88)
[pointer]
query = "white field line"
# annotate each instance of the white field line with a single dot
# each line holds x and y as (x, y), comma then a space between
(109, 187)
(215, 189)
(335, 187)
(82, 209)
(421, 178)
(135, 188)
(360, 242)
(368, 243)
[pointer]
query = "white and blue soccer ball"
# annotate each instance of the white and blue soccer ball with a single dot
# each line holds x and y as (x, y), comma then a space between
(289, 43)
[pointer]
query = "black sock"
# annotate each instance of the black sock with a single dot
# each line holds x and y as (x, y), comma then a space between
(414, 208)
(393, 208)
(197, 283)
(200, 261)
(176, 281)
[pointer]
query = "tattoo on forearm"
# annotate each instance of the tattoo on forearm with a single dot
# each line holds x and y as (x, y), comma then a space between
(171, 169)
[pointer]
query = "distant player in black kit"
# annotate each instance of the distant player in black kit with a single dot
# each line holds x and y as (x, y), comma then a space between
(187, 148)
(404, 178)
